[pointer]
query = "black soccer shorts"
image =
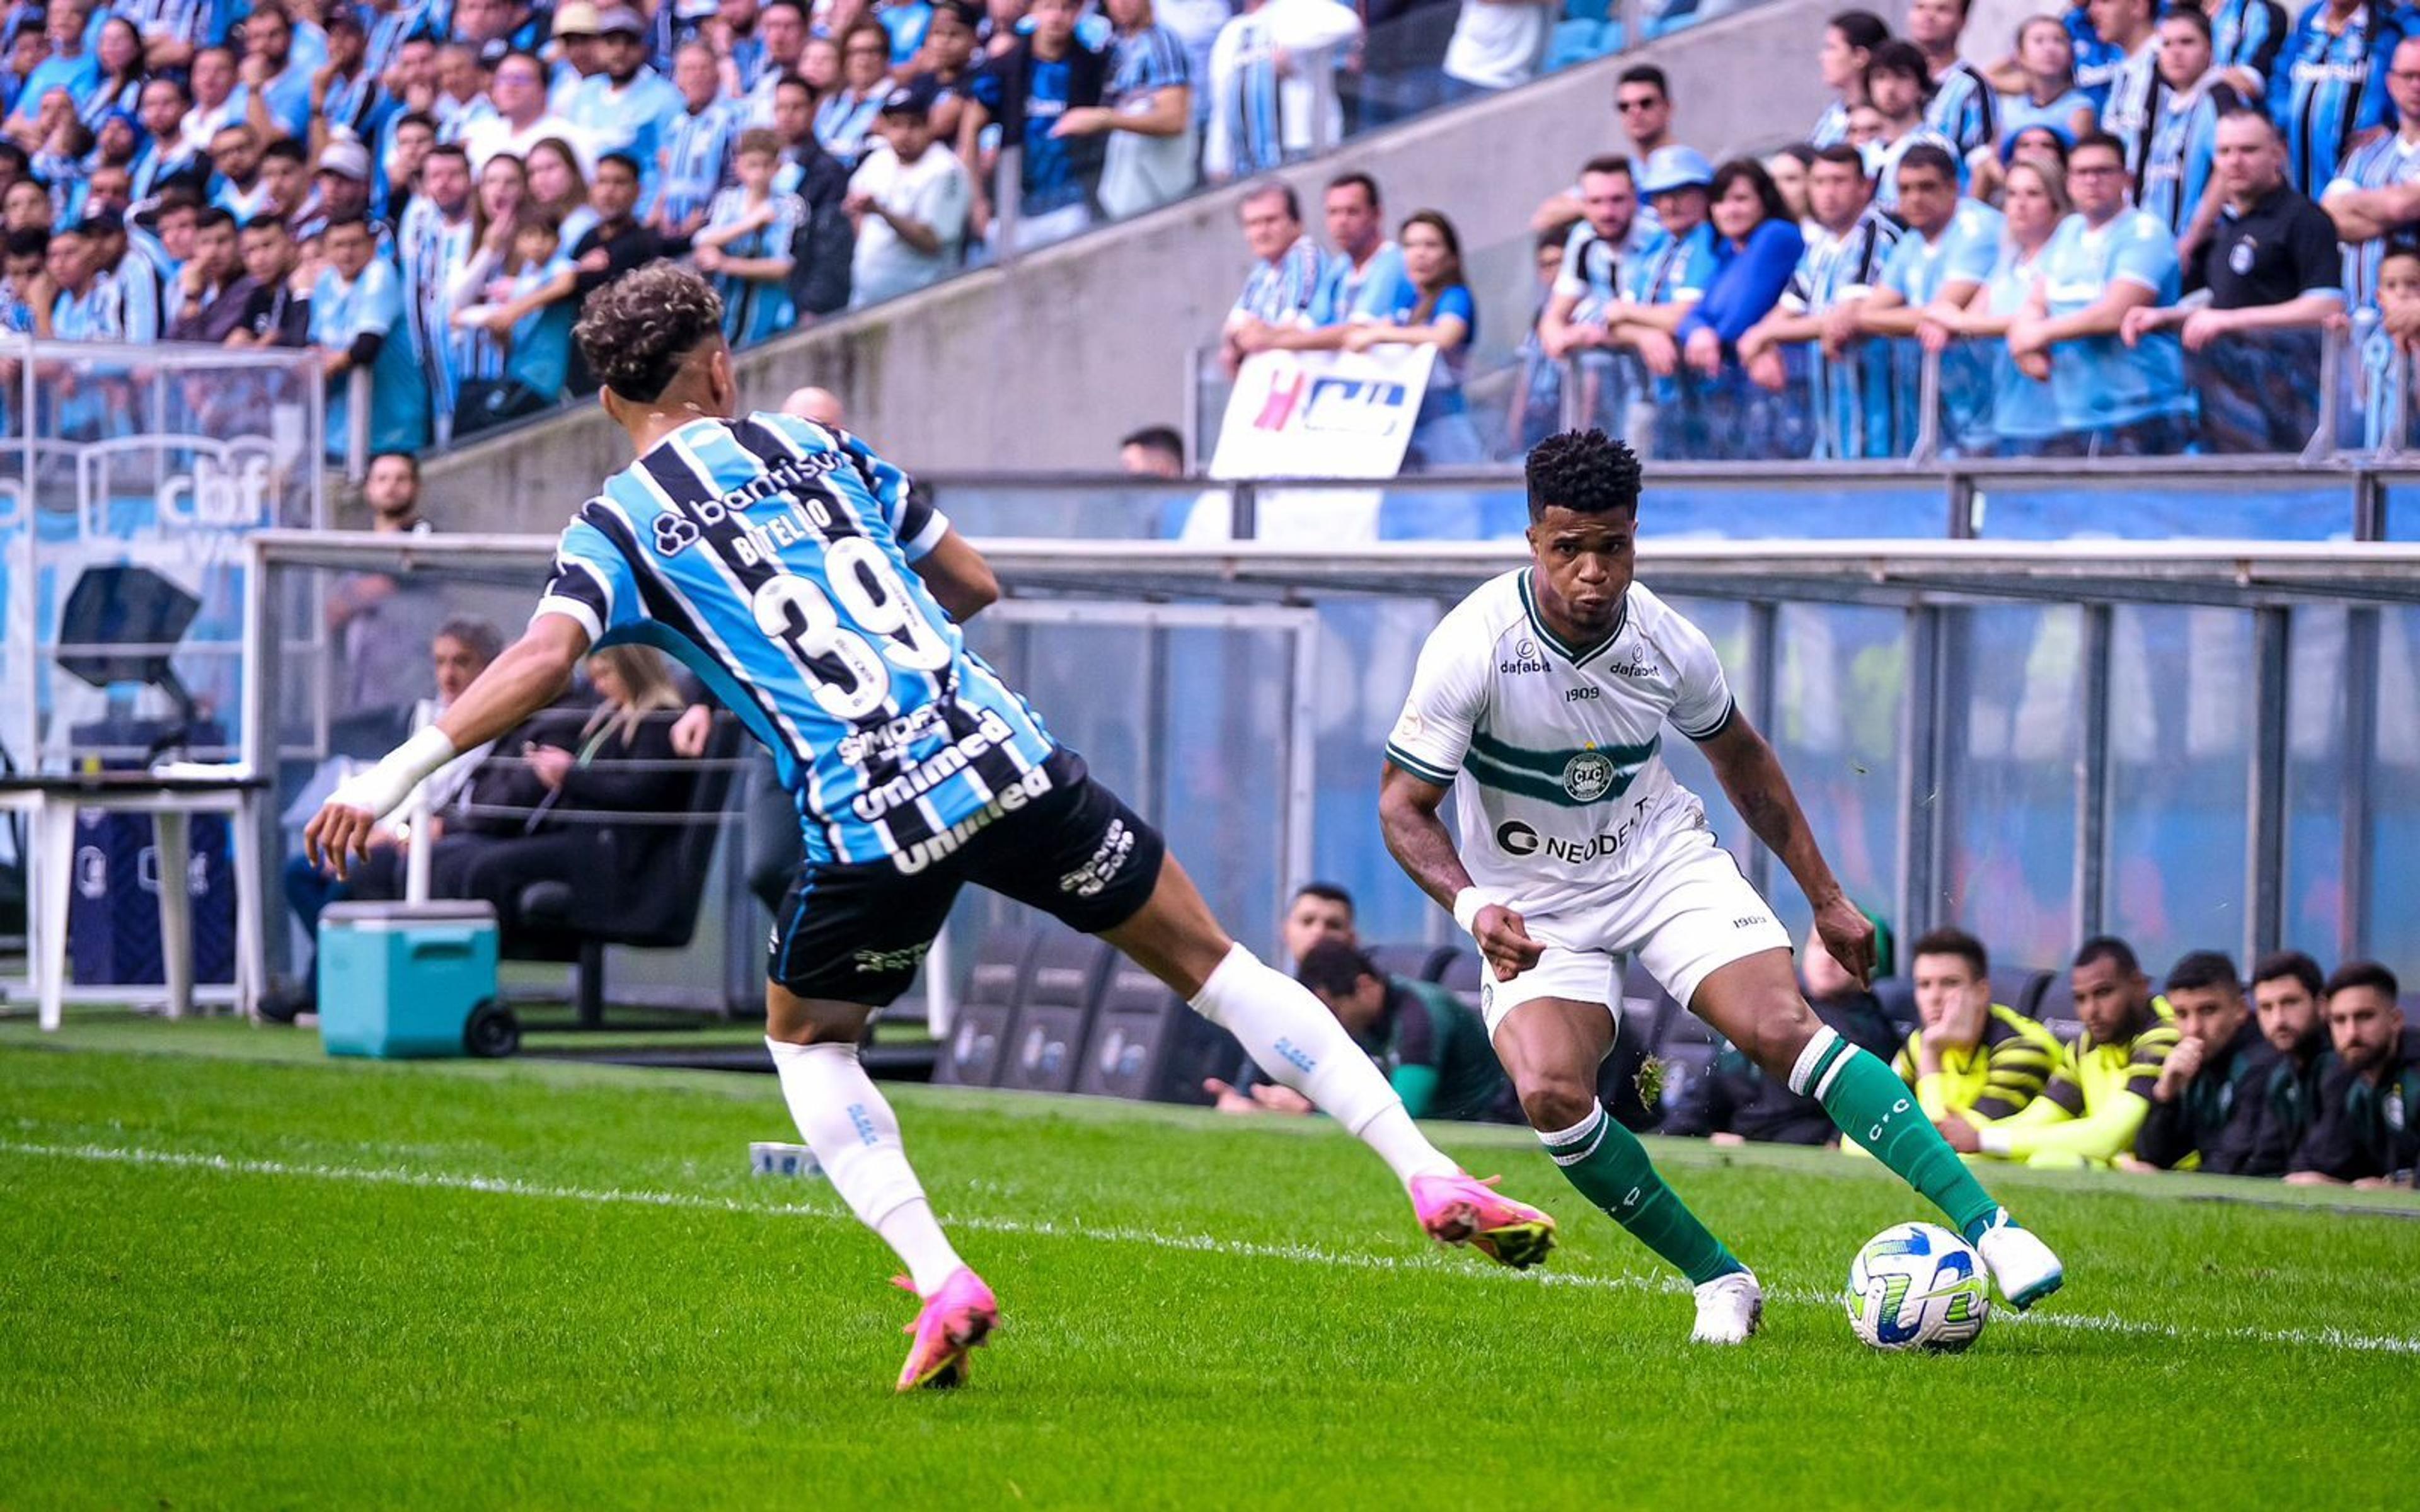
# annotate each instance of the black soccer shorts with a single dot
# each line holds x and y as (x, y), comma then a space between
(855, 932)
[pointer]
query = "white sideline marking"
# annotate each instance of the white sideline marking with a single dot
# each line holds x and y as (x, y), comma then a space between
(2326, 1338)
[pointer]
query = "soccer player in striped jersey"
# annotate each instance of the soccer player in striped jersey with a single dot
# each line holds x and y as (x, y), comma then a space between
(788, 567)
(1814, 327)
(1962, 107)
(2375, 197)
(1969, 1056)
(2101, 1091)
(435, 242)
(2184, 136)
(1850, 38)
(1539, 703)
(695, 163)
(2329, 84)
(2135, 89)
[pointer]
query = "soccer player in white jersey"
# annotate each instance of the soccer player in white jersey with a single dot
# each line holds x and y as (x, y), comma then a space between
(788, 566)
(1540, 703)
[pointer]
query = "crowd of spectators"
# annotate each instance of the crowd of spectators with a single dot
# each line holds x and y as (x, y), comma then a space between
(2131, 235)
(423, 191)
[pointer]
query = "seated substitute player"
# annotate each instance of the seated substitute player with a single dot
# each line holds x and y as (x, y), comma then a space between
(2101, 1093)
(2289, 994)
(787, 564)
(1540, 702)
(2206, 1112)
(2367, 1128)
(1969, 1056)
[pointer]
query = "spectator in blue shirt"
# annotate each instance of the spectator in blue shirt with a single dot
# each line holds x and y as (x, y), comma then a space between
(2105, 260)
(357, 322)
(2375, 197)
(2329, 85)
(276, 83)
(1362, 280)
(2023, 418)
(1811, 337)
(845, 119)
(1850, 38)
(2046, 56)
(1898, 90)
(1947, 254)
(122, 70)
(2184, 128)
(1025, 89)
(1755, 250)
(1433, 307)
(70, 66)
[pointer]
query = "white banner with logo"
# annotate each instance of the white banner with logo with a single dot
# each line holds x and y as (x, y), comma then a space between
(158, 458)
(1323, 414)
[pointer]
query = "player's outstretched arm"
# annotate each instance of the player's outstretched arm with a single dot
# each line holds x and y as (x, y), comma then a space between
(515, 685)
(958, 577)
(1759, 790)
(1417, 838)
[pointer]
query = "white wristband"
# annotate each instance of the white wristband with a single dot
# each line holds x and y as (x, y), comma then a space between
(1991, 1141)
(381, 789)
(1467, 904)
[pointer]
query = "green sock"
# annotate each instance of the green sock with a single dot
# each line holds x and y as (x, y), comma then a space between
(1610, 1167)
(1876, 1109)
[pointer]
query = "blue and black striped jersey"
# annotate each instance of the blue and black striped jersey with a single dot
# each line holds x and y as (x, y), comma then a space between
(2248, 34)
(2330, 86)
(771, 556)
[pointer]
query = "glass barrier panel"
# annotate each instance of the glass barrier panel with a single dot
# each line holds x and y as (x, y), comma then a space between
(1134, 510)
(2318, 775)
(1725, 624)
(2012, 743)
(2180, 723)
(2392, 927)
(1805, 507)
(2085, 506)
(1840, 695)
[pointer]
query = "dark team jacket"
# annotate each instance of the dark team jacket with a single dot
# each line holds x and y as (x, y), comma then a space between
(2219, 1114)
(1736, 1096)
(2362, 1128)
(2288, 1101)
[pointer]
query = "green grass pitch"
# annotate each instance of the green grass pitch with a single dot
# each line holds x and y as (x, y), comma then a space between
(239, 1275)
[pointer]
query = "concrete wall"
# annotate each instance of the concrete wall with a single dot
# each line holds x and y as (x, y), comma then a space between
(1044, 364)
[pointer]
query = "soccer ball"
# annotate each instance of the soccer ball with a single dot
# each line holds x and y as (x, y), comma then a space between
(1917, 1286)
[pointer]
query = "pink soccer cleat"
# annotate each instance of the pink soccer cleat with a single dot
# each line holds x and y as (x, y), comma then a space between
(1462, 1210)
(955, 1319)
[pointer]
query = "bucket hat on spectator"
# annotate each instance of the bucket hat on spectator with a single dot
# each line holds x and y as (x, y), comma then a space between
(577, 19)
(346, 160)
(1675, 167)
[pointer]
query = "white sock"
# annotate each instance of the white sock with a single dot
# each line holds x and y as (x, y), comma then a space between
(1293, 1037)
(845, 1121)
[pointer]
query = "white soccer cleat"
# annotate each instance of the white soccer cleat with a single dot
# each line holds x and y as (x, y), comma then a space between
(1729, 1307)
(2022, 1265)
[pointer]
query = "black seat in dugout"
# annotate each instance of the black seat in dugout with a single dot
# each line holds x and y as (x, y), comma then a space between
(1421, 962)
(562, 923)
(2025, 989)
(1064, 978)
(986, 1014)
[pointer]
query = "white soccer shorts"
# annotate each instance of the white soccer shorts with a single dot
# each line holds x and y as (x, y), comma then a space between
(1691, 914)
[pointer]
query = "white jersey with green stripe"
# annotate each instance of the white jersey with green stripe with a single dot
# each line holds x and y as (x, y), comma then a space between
(1554, 751)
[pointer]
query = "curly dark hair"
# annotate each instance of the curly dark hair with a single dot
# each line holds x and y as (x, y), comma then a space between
(635, 331)
(1585, 471)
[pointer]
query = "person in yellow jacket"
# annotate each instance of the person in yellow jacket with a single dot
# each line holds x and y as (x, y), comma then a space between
(2101, 1091)
(1970, 1057)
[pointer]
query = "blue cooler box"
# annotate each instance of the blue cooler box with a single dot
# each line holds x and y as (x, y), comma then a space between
(400, 980)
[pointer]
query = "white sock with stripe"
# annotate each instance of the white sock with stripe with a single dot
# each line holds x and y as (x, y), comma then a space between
(848, 1123)
(1292, 1036)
